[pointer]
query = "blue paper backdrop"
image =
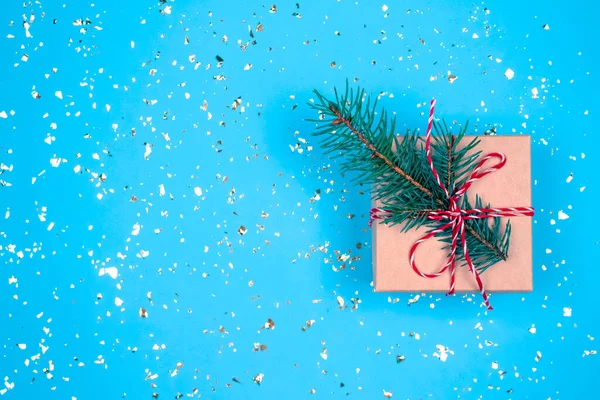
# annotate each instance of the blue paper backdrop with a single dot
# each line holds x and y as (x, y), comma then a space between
(237, 248)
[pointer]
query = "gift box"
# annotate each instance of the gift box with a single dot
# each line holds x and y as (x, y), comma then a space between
(506, 187)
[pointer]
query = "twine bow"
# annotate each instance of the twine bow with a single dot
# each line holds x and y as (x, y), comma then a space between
(456, 216)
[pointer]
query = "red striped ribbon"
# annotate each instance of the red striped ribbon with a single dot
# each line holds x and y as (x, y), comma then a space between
(456, 216)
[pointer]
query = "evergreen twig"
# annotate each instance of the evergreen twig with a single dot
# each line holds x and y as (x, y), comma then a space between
(399, 173)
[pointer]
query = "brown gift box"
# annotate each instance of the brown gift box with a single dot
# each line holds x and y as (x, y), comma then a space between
(507, 187)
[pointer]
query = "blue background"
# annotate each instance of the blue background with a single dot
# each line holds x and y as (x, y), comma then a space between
(213, 292)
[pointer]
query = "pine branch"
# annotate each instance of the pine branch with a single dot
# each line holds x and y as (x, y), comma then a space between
(398, 170)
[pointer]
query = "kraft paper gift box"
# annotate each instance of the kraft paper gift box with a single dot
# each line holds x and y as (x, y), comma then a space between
(507, 187)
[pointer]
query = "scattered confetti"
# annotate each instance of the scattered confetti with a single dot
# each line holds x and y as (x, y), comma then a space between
(165, 207)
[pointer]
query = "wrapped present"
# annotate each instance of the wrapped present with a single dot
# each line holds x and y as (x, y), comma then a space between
(508, 186)
(437, 213)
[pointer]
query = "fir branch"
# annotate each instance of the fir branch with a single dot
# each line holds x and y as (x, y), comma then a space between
(399, 172)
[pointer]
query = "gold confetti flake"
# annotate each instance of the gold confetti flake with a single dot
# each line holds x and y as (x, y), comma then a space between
(451, 77)
(258, 378)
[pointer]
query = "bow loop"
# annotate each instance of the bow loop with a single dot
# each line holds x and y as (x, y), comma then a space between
(478, 173)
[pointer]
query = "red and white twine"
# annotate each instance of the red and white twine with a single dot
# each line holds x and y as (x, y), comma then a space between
(456, 216)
